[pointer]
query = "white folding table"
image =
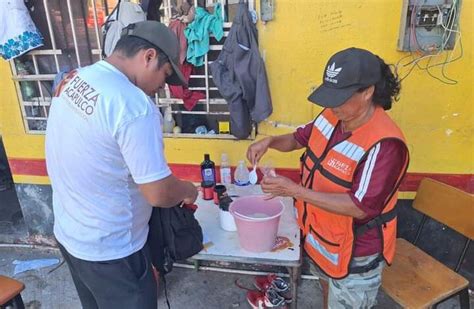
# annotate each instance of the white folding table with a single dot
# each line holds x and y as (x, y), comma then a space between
(225, 245)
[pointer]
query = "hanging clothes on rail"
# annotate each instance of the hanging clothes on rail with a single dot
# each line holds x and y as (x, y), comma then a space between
(184, 11)
(18, 33)
(190, 98)
(239, 74)
(197, 33)
(178, 27)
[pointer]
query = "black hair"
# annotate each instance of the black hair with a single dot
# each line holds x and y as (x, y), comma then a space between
(387, 88)
(129, 46)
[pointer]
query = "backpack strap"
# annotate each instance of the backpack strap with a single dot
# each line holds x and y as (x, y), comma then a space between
(166, 290)
(145, 4)
(377, 221)
(152, 9)
(156, 240)
(106, 25)
(363, 269)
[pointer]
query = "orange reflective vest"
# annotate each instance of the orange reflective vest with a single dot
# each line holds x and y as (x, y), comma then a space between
(328, 237)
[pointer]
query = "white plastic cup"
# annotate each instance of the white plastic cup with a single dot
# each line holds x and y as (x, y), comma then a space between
(227, 221)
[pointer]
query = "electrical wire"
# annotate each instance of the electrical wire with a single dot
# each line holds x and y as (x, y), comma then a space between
(458, 41)
(449, 81)
(448, 58)
(448, 29)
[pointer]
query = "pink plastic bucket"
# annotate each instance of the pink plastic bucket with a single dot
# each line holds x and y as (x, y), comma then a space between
(257, 221)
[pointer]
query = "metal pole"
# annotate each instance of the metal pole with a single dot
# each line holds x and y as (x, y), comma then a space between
(225, 9)
(251, 5)
(463, 254)
(35, 64)
(96, 26)
(206, 72)
(243, 272)
(71, 19)
(20, 93)
(51, 34)
(420, 227)
(169, 10)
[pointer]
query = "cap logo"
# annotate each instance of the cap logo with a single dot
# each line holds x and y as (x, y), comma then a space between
(332, 72)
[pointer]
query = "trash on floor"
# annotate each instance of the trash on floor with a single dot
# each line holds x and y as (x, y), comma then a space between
(22, 266)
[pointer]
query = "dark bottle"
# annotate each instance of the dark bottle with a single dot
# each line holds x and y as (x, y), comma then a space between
(208, 170)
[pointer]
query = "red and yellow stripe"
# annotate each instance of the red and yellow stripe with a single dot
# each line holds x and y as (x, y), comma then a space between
(34, 171)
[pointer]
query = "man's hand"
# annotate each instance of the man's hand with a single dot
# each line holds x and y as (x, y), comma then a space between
(168, 192)
(256, 151)
(279, 186)
(192, 195)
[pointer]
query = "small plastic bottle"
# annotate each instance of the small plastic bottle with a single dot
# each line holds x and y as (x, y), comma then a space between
(225, 172)
(241, 175)
(168, 121)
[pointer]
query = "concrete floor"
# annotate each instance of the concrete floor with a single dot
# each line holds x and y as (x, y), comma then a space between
(12, 226)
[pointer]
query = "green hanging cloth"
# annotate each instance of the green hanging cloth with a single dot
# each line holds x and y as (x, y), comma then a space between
(197, 33)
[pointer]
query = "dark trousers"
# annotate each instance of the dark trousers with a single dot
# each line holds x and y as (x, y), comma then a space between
(122, 283)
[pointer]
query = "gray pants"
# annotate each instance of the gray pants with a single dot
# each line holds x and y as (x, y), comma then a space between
(122, 283)
(356, 290)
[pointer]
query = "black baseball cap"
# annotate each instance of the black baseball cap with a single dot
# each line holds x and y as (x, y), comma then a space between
(346, 72)
(159, 35)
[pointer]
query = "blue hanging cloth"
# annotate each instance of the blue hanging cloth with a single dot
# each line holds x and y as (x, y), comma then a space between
(18, 33)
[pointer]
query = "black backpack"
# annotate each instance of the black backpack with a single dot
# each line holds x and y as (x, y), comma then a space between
(174, 235)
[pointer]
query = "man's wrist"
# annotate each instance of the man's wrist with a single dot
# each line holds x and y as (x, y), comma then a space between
(189, 190)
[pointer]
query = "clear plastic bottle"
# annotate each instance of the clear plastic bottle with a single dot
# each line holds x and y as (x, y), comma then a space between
(225, 172)
(168, 121)
(241, 175)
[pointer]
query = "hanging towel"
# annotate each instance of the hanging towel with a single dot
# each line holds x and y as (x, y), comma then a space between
(239, 74)
(197, 33)
(18, 33)
(190, 98)
(178, 28)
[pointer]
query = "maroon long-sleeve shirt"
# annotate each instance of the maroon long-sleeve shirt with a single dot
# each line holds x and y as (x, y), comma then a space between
(372, 184)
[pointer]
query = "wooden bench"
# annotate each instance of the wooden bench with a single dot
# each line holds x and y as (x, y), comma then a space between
(417, 280)
(10, 290)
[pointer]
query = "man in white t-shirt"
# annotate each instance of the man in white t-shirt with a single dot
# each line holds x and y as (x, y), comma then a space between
(104, 154)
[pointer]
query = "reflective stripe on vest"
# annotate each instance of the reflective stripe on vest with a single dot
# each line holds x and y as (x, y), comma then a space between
(329, 237)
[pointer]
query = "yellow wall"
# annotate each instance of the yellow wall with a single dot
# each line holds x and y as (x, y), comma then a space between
(436, 118)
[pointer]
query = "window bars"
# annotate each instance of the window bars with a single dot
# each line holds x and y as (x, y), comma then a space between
(72, 38)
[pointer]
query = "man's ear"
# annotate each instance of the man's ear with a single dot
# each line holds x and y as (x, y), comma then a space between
(149, 55)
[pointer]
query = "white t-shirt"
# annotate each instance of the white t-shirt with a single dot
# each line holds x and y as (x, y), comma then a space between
(103, 138)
